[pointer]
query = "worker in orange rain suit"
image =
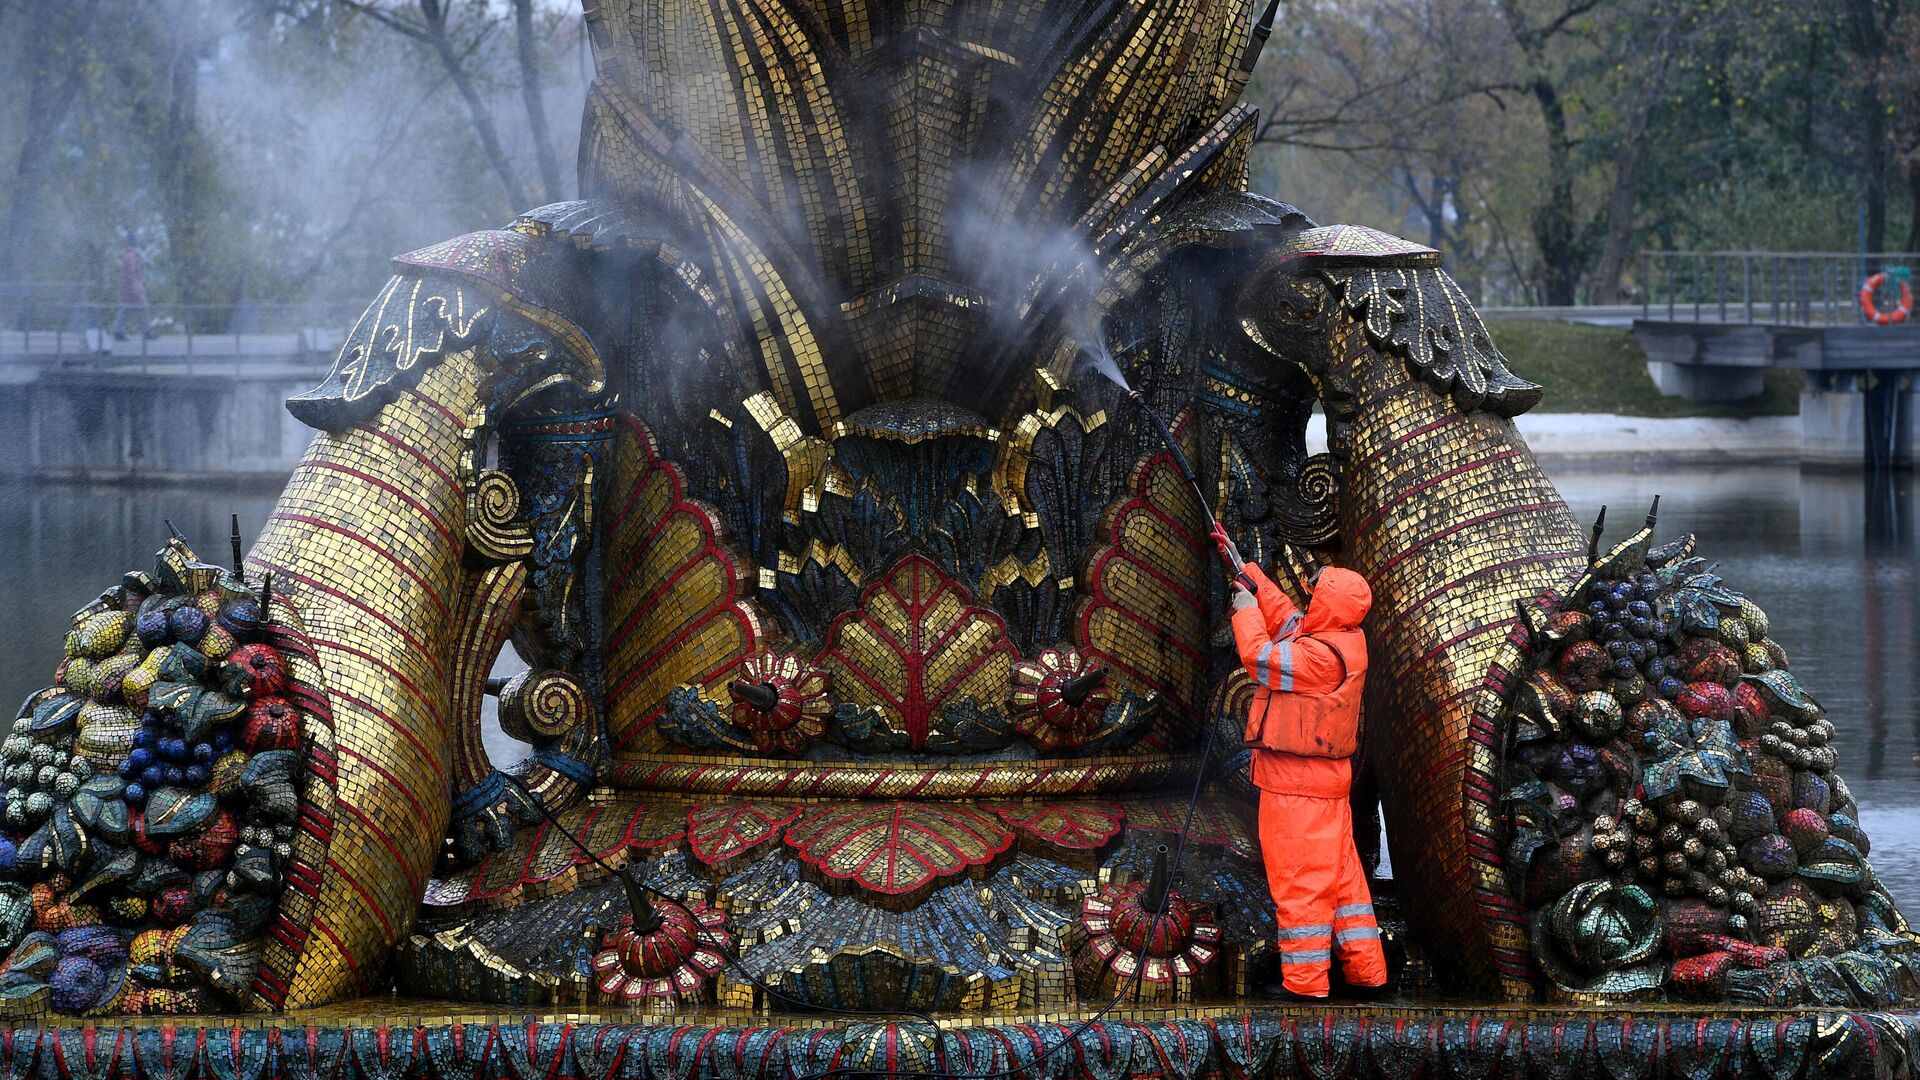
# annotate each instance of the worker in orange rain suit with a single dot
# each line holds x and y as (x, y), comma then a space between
(1308, 670)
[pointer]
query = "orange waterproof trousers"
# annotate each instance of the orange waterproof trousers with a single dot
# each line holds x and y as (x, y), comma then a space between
(1320, 898)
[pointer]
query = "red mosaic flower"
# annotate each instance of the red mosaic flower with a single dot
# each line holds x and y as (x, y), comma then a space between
(673, 963)
(781, 701)
(1054, 704)
(1181, 945)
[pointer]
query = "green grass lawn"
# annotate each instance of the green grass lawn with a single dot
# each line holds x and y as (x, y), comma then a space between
(1601, 369)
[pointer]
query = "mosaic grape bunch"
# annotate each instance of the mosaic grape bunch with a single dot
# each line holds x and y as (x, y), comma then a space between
(150, 800)
(1677, 823)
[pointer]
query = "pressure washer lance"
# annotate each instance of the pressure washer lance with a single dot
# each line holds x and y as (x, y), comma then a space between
(1186, 468)
(1232, 557)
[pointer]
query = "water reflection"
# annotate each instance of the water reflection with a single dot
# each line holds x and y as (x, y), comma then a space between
(1832, 561)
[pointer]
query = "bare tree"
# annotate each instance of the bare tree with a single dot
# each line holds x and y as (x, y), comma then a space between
(1656, 34)
(530, 92)
(1905, 135)
(428, 22)
(1367, 78)
(53, 80)
(1869, 33)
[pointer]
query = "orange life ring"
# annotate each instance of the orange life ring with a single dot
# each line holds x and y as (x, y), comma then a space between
(1872, 310)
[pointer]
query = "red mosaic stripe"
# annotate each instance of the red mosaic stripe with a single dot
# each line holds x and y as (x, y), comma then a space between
(417, 506)
(354, 602)
(431, 591)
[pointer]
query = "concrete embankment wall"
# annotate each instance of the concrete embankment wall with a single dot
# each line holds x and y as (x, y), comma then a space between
(89, 425)
(85, 425)
(1603, 439)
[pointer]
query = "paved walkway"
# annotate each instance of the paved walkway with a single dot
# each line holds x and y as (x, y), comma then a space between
(1611, 441)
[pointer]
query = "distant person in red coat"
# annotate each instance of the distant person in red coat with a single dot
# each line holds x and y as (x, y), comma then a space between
(133, 290)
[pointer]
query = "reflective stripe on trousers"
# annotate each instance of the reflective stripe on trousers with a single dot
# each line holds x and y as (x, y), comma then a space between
(1322, 907)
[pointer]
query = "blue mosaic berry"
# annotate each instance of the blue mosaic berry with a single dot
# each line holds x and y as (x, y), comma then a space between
(189, 624)
(153, 627)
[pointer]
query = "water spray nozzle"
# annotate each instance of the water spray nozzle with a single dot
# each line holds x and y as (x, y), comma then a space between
(1076, 690)
(761, 695)
(1159, 883)
(646, 918)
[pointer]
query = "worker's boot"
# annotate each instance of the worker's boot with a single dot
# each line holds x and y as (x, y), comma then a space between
(1277, 991)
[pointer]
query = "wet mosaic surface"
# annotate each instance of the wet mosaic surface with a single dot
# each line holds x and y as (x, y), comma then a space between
(1853, 622)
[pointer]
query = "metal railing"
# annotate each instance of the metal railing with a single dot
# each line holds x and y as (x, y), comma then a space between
(37, 320)
(1790, 288)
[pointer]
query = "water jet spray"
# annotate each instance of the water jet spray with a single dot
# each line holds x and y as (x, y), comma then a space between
(1103, 361)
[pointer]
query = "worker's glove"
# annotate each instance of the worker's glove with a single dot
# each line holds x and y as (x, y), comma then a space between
(1242, 598)
(1228, 550)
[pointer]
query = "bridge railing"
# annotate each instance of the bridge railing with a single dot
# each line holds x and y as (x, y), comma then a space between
(43, 320)
(1792, 288)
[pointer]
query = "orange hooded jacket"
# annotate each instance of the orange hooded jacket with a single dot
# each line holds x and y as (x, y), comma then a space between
(1308, 670)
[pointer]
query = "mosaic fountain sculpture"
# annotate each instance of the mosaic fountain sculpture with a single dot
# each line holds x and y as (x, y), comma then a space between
(880, 637)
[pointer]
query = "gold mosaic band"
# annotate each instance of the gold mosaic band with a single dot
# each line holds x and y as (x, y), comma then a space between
(1450, 519)
(367, 540)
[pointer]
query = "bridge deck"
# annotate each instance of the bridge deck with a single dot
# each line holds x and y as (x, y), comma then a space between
(1762, 345)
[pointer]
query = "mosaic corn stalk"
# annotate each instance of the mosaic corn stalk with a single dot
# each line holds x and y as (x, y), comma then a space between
(367, 539)
(1450, 518)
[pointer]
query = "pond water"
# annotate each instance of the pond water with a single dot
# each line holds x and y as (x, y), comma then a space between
(1836, 567)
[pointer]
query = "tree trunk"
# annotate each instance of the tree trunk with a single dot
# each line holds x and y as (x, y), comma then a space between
(1431, 203)
(1619, 237)
(1869, 23)
(178, 164)
(1876, 170)
(1913, 193)
(53, 83)
(1618, 244)
(436, 35)
(1554, 231)
(536, 105)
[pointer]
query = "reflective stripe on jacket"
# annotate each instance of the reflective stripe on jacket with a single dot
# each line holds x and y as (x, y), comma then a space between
(1308, 668)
